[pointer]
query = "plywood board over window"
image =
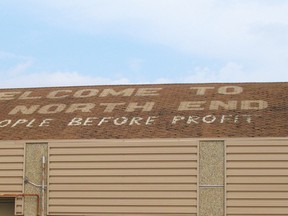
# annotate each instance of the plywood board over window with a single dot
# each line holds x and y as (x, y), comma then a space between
(123, 178)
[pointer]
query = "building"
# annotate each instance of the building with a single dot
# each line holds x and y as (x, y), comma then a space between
(173, 150)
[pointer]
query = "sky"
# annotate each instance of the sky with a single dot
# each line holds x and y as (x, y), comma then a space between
(100, 42)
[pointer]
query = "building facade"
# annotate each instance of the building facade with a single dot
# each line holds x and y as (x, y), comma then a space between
(177, 149)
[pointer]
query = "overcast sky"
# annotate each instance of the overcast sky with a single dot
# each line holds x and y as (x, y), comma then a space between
(91, 42)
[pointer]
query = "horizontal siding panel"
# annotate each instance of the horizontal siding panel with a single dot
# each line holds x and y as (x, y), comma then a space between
(11, 180)
(11, 166)
(11, 145)
(125, 187)
(179, 157)
(258, 187)
(118, 202)
(257, 149)
(122, 165)
(11, 188)
(125, 172)
(122, 150)
(138, 178)
(122, 143)
(10, 173)
(11, 152)
(259, 203)
(248, 143)
(255, 214)
(258, 164)
(257, 195)
(257, 172)
(123, 180)
(258, 211)
(127, 209)
(123, 194)
(257, 157)
(12, 159)
(123, 214)
(257, 179)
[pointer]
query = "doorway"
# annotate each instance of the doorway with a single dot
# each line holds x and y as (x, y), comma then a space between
(7, 206)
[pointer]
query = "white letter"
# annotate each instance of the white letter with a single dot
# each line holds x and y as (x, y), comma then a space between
(123, 121)
(248, 118)
(103, 120)
(52, 108)
(45, 122)
(5, 123)
(145, 108)
(88, 121)
(20, 121)
(30, 124)
(136, 120)
(230, 90)
(24, 110)
(110, 106)
(193, 119)
(75, 122)
(54, 94)
(148, 92)
(26, 94)
(86, 93)
(225, 117)
(191, 105)
(230, 105)
(151, 120)
(201, 90)
(125, 92)
(177, 118)
(254, 104)
(236, 119)
(83, 107)
(8, 95)
(209, 119)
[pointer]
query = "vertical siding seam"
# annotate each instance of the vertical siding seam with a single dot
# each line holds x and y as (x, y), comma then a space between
(48, 179)
(198, 177)
(23, 177)
(24, 166)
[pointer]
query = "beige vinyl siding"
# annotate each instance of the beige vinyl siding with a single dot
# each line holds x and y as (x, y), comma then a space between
(11, 167)
(123, 178)
(257, 177)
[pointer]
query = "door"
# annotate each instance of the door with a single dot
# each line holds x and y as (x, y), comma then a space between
(7, 206)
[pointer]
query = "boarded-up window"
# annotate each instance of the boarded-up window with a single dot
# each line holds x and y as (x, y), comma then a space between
(257, 177)
(156, 177)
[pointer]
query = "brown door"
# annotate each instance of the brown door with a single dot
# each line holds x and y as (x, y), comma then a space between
(7, 207)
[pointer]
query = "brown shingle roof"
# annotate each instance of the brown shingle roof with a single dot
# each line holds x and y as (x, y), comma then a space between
(145, 111)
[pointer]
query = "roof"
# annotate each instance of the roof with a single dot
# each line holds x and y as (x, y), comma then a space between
(145, 111)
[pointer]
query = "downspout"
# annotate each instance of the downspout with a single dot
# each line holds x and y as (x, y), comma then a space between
(43, 186)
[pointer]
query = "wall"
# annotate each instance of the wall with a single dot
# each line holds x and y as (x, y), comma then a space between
(152, 176)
